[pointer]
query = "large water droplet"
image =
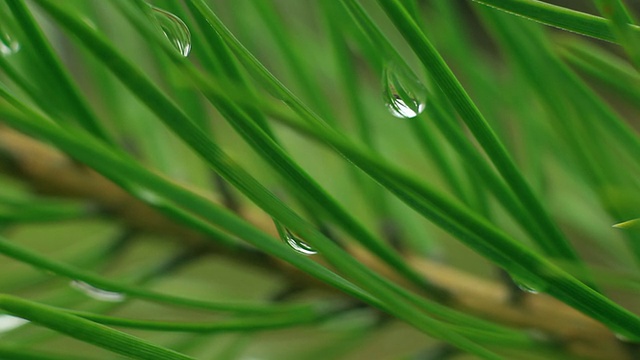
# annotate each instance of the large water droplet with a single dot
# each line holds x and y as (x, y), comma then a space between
(9, 322)
(174, 29)
(8, 45)
(403, 93)
(96, 293)
(298, 245)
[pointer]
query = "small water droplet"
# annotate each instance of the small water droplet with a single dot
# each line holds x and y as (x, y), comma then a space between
(626, 339)
(88, 22)
(298, 245)
(621, 337)
(174, 29)
(146, 195)
(96, 293)
(9, 322)
(8, 45)
(530, 287)
(526, 288)
(404, 94)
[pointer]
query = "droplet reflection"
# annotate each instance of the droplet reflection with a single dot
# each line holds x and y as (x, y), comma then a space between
(528, 286)
(627, 339)
(174, 29)
(8, 44)
(298, 245)
(404, 94)
(96, 293)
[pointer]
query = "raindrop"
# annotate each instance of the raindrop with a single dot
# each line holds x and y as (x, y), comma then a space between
(298, 245)
(404, 94)
(9, 322)
(96, 293)
(174, 29)
(8, 45)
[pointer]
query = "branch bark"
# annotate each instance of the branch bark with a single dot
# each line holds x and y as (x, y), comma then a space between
(50, 172)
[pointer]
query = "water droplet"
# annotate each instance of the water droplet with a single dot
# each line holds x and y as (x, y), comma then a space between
(621, 337)
(148, 196)
(8, 45)
(531, 287)
(298, 245)
(174, 29)
(526, 288)
(96, 293)
(404, 94)
(88, 22)
(626, 339)
(9, 322)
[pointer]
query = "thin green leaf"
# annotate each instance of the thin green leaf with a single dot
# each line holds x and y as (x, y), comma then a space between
(86, 330)
(605, 67)
(179, 122)
(485, 239)
(556, 244)
(621, 20)
(42, 262)
(557, 16)
(94, 154)
(227, 325)
(83, 113)
(595, 161)
(629, 224)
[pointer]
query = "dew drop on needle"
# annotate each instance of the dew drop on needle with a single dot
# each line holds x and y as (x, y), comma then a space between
(526, 288)
(148, 196)
(8, 44)
(97, 293)
(298, 245)
(174, 29)
(404, 95)
(531, 287)
(626, 339)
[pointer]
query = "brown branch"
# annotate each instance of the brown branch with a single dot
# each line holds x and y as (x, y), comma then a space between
(50, 172)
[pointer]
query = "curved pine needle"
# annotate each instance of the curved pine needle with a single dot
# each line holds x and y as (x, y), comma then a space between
(42, 262)
(227, 325)
(88, 331)
(559, 17)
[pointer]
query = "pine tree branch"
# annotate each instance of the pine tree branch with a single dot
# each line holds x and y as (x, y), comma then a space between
(50, 172)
